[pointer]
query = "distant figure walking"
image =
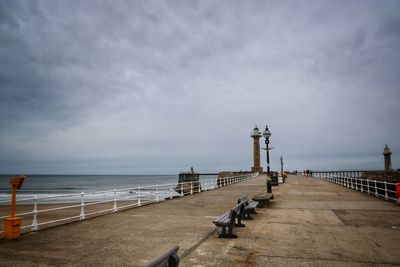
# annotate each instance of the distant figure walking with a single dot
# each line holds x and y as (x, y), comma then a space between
(307, 172)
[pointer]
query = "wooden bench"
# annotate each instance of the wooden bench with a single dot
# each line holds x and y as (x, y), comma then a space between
(263, 198)
(249, 207)
(168, 259)
(230, 219)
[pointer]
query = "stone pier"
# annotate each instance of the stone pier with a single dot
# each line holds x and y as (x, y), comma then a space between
(310, 222)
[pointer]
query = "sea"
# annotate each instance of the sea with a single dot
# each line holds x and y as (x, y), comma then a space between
(67, 188)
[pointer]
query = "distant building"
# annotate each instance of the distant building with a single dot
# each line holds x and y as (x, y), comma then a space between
(388, 161)
(256, 134)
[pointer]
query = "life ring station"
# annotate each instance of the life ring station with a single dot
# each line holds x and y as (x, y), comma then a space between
(12, 225)
(256, 134)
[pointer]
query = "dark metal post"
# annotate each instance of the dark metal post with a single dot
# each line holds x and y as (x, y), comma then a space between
(267, 135)
(268, 169)
(282, 165)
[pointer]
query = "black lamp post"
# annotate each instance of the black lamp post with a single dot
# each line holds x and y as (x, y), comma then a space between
(282, 165)
(267, 135)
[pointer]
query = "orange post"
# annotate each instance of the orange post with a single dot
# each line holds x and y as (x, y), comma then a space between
(12, 225)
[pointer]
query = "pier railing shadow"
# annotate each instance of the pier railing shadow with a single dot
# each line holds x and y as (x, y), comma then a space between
(43, 212)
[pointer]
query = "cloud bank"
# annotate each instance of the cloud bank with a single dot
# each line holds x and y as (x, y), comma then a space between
(136, 87)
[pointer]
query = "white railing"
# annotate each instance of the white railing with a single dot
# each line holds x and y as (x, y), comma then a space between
(89, 204)
(380, 189)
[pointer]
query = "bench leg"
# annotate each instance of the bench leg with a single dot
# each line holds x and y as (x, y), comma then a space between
(223, 233)
(230, 233)
(239, 223)
(253, 211)
(247, 216)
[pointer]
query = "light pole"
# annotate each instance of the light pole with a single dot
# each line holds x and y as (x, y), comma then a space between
(267, 135)
(282, 165)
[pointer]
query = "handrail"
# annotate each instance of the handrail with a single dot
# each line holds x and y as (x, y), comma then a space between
(89, 204)
(381, 189)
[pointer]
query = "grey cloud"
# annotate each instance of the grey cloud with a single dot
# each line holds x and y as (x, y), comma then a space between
(120, 84)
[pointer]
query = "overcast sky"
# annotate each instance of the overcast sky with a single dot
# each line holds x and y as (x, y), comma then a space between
(155, 87)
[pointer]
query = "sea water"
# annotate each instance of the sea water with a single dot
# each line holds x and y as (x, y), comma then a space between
(49, 187)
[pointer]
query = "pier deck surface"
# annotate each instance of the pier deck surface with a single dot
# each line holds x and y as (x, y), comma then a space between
(310, 222)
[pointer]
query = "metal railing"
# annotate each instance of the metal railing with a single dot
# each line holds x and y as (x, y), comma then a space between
(66, 208)
(381, 189)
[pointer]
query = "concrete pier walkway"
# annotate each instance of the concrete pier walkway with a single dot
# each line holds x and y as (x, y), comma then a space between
(309, 223)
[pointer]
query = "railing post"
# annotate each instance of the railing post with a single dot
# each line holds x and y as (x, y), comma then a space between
(362, 185)
(157, 199)
(205, 185)
(34, 226)
(82, 215)
(376, 189)
(181, 189)
(191, 187)
(368, 186)
(170, 191)
(199, 187)
(115, 208)
(386, 194)
(139, 203)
